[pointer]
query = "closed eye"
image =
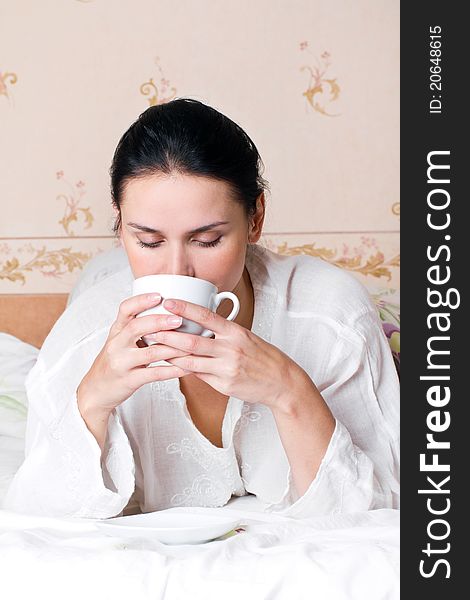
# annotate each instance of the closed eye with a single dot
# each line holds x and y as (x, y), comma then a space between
(203, 244)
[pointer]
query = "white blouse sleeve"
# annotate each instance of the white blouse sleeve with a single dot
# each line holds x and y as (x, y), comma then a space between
(63, 473)
(360, 469)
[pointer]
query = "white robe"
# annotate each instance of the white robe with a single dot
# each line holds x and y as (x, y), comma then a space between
(155, 457)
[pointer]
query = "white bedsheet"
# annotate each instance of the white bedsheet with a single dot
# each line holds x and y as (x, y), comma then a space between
(342, 557)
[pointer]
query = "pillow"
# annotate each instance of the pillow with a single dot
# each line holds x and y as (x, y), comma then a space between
(389, 314)
(100, 267)
(16, 360)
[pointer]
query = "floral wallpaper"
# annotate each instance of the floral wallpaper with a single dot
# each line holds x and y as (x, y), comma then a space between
(6, 80)
(316, 86)
(322, 90)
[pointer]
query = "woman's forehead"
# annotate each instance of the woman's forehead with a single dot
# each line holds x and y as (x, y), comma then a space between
(175, 186)
(186, 204)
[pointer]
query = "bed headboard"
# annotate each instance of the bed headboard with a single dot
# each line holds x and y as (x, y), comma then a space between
(30, 317)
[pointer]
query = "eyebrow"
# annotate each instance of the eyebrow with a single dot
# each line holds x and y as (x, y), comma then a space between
(146, 229)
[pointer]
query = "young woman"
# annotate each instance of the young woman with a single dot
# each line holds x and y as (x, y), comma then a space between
(296, 401)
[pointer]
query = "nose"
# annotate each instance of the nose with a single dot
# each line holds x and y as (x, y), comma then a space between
(179, 262)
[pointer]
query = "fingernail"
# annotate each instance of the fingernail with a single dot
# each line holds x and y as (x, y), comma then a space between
(154, 297)
(175, 320)
(170, 304)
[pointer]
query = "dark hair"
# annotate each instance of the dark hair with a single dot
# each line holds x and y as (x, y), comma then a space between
(191, 138)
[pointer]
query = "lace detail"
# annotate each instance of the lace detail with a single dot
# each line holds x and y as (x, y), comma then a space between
(220, 477)
(209, 461)
(161, 390)
(204, 491)
(247, 416)
(187, 449)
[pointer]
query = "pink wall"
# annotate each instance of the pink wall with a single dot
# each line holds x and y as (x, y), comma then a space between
(314, 83)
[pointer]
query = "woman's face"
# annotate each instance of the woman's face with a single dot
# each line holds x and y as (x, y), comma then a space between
(184, 225)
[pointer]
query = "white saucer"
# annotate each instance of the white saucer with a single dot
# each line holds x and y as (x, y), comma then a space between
(170, 528)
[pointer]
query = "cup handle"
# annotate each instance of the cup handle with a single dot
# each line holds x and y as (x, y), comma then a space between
(218, 299)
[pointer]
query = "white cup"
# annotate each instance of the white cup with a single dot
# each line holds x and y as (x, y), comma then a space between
(181, 287)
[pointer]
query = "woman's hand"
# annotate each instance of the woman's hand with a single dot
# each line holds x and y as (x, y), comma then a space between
(237, 362)
(120, 368)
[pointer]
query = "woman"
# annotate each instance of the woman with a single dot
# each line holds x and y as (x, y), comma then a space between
(296, 401)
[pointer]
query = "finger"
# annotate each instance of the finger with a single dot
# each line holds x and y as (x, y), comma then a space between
(206, 377)
(139, 357)
(131, 307)
(193, 344)
(196, 364)
(149, 324)
(199, 314)
(159, 373)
